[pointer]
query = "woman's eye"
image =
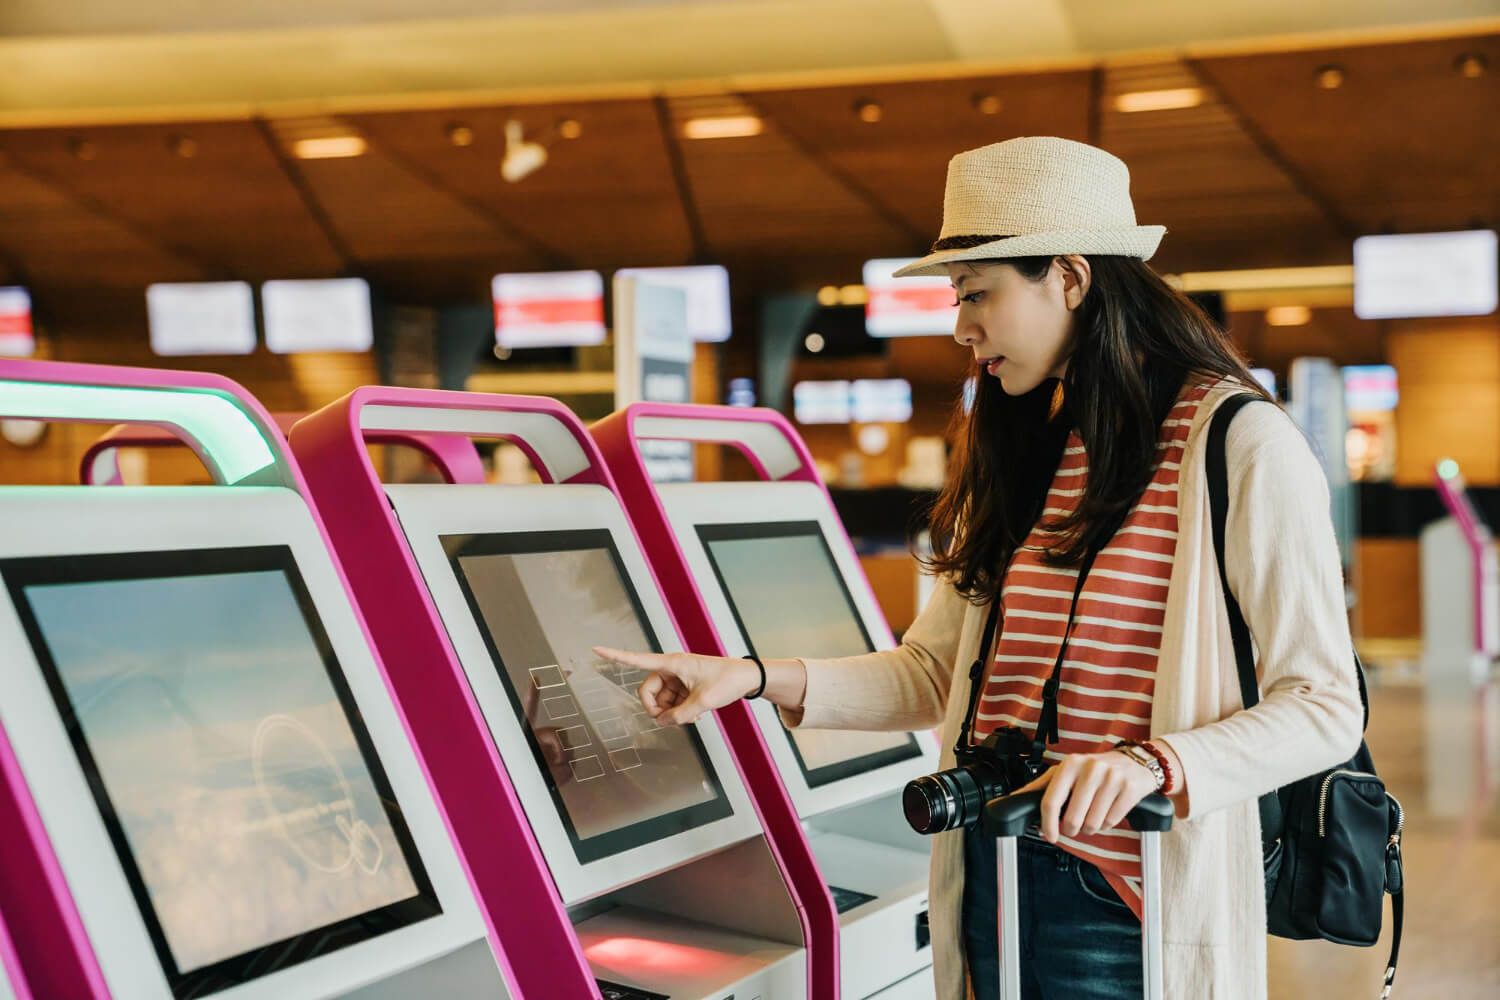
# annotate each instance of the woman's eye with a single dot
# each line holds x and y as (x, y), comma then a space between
(972, 298)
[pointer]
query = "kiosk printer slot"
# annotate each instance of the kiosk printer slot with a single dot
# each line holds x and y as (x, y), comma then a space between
(766, 567)
(207, 789)
(648, 845)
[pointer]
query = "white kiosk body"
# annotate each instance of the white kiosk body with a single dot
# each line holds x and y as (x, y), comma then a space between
(218, 764)
(648, 831)
(779, 578)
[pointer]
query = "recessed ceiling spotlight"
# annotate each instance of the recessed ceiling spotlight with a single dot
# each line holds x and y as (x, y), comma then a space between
(815, 343)
(184, 146)
(570, 128)
(1288, 316)
(1330, 77)
(1471, 65)
(988, 104)
(460, 134)
(869, 111)
(82, 149)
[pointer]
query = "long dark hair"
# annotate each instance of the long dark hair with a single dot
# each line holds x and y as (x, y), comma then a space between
(1136, 342)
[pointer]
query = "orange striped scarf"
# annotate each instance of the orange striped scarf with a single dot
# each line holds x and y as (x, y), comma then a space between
(1109, 674)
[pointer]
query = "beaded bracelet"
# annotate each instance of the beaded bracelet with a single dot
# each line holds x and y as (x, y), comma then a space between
(1169, 786)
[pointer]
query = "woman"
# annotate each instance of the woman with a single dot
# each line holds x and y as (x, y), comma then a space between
(1080, 472)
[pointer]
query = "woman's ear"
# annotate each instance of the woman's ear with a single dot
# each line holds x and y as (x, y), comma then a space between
(1077, 276)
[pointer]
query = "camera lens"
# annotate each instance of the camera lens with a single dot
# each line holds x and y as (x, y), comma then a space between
(950, 799)
(927, 808)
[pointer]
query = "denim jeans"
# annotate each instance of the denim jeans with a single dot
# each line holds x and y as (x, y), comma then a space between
(1079, 941)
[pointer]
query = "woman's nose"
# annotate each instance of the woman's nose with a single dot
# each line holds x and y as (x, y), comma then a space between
(967, 334)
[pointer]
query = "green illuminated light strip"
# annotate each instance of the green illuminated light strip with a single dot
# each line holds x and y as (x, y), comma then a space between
(233, 444)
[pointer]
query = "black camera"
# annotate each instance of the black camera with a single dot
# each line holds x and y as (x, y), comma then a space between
(1008, 759)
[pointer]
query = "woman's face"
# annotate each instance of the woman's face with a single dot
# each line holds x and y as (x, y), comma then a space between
(1020, 331)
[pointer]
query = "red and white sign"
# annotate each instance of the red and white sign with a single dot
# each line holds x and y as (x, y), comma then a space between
(553, 309)
(16, 336)
(906, 307)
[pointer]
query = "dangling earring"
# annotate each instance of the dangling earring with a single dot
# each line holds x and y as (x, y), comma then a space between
(1057, 401)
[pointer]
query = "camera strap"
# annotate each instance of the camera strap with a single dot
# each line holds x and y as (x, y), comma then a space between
(976, 673)
(1046, 726)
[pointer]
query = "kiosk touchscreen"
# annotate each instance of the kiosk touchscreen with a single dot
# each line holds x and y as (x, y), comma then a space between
(210, 745)
(778, 577)
(648, 831)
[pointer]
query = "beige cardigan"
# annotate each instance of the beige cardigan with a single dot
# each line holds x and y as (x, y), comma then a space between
(1284, 568)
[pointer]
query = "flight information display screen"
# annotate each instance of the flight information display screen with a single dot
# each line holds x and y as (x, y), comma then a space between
(542, 599)
(225, 754)
(790, 601)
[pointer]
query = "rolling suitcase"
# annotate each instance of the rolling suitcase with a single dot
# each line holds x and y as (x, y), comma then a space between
(1007, 817)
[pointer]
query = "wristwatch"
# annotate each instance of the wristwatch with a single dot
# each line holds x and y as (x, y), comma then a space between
(1144, 758)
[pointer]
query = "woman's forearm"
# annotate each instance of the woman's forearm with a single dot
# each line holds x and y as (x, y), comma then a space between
(786, 683)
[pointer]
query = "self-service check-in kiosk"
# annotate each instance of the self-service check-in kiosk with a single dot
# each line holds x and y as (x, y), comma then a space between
(1460, 641)
(766, 567)
(205, 786)
(485, 601)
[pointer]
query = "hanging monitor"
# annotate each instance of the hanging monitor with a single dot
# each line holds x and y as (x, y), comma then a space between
(907, 307)
(332, 314)
(17, 338)
(1410, 275)
(548, 309)
(205, 317)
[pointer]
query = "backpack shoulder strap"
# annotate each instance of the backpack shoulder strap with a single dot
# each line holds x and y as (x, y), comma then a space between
(1217, 470)
(1272, 818)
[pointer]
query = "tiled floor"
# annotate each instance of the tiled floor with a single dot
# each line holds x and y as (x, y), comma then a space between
(1451, 945)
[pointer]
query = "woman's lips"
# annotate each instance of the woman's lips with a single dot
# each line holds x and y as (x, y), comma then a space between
(993, 367)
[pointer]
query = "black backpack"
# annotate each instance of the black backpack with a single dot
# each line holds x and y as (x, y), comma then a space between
(1332, 840)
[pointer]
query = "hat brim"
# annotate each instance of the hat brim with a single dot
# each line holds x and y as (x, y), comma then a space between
(1129, 241)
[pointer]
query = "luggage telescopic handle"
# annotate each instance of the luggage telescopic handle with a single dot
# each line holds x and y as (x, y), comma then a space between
(1008, 815)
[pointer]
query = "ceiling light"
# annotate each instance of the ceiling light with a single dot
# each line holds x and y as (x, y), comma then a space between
(1159, 100)
(183, 146)
(329, 147)
(1256, 279)
(570, 128)
(869, 111)
(460, 134)
(828, 295)
(1288, 316)
(83, 149)
(988, 104)
(815, 343)
(722, 127)
(1330, 77)
(853, 295)
(1471, 65)
(522, 157)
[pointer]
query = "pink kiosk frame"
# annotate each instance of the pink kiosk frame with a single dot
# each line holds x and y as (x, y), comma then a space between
(471, 780)
(454, 457)
(778, 454)
(51, 947)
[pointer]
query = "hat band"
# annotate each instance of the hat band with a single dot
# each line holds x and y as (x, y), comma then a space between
(965, 242)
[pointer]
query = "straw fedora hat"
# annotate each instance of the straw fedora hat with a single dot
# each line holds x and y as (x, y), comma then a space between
(1032, 196)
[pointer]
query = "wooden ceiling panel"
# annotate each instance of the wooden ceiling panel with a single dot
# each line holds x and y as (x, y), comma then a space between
(229, 205)
(380, 211)
(57, 245)
(1406, 143)
(604, 199)
(1224, 198)
(766, 195)
(902, 159)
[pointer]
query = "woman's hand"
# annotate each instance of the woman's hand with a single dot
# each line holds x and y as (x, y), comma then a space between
(1089, 792)
(683, 686)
